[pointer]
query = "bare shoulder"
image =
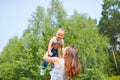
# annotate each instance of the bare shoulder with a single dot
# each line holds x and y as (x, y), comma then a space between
(57, 59)
(58, 62)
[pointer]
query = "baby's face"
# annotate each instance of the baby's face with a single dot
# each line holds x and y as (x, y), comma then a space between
(60, 35)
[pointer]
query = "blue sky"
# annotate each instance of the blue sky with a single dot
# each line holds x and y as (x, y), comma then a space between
(14, 14)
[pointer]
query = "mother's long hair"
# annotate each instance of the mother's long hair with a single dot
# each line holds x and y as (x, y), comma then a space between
(72, 63)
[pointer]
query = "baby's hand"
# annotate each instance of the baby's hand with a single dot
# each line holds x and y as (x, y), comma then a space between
(50, 54)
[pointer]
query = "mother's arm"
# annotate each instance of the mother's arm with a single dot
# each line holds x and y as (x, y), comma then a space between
(50, 59)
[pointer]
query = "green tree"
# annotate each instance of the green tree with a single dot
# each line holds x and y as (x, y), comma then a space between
(110, 20)
(20, 59)
(57, 13)
(109, 25)
(25, 54)
(83, 33)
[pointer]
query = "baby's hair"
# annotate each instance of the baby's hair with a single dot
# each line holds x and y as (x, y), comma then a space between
(61, 29)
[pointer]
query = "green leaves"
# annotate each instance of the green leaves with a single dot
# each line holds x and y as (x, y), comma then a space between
(109, 26)
(109, 23)
(23, 56)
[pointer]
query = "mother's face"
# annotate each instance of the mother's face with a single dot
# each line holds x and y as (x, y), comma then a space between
(64, 52)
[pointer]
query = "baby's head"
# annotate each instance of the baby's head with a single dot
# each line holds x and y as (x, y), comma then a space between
(60, 34)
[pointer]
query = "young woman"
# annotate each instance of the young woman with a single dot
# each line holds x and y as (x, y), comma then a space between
(67, 66)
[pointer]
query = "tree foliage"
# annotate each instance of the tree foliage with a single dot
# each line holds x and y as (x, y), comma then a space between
(109, 25)
(22, 57)
(110, 20)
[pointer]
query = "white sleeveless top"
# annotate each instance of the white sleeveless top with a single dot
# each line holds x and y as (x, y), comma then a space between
(59, 73)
